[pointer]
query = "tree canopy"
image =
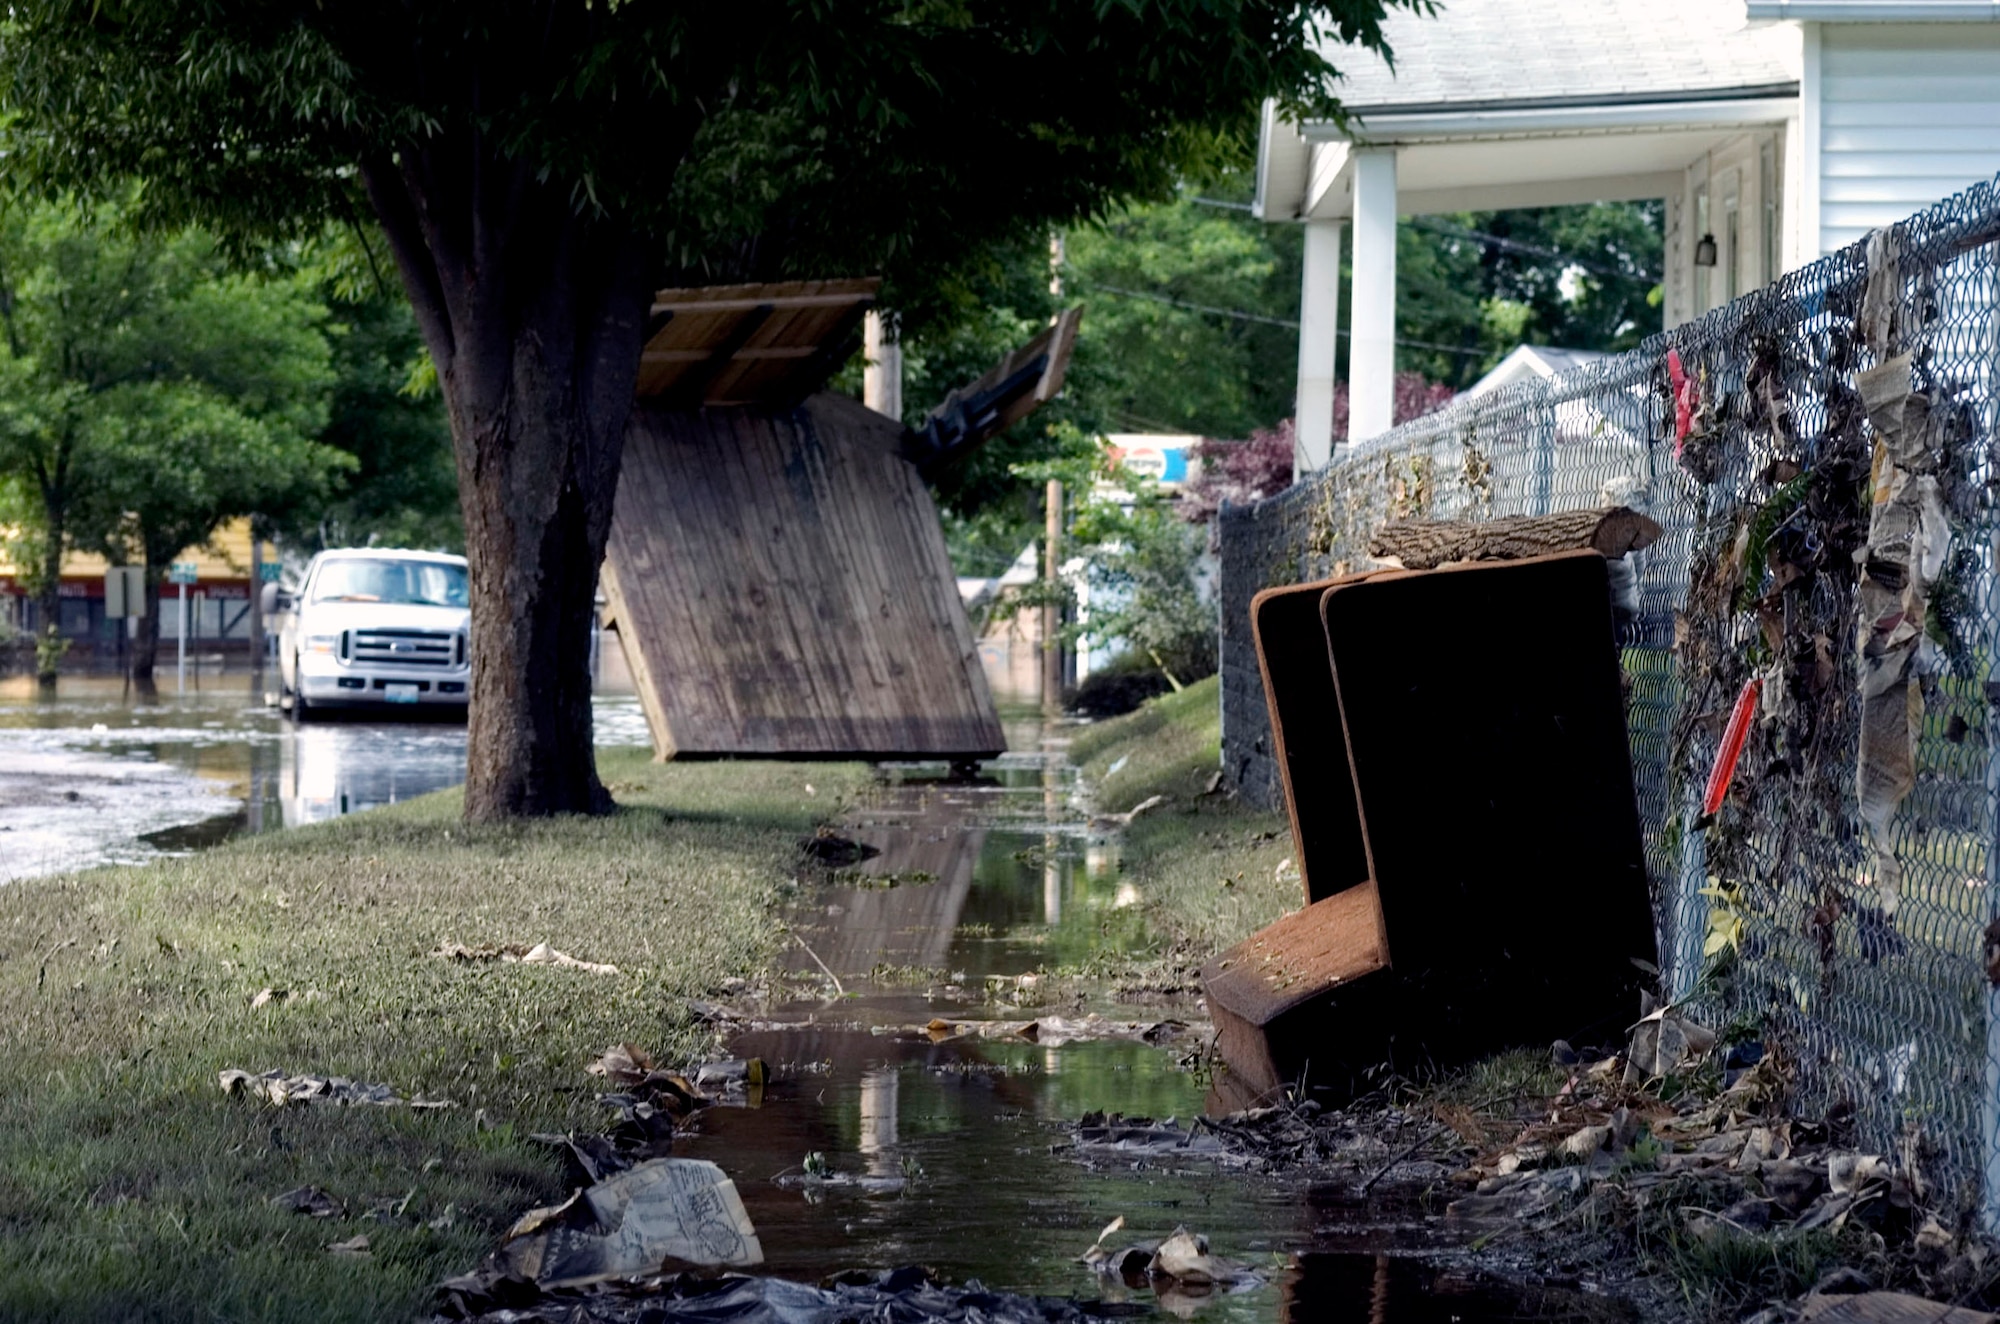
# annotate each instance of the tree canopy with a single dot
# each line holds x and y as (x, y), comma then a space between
(751, 140)
(148, 393)
(538, 167)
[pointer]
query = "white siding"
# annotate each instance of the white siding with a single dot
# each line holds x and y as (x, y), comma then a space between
(1909, 114)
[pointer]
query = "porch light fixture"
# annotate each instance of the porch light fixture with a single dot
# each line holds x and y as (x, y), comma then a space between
(1704, 251)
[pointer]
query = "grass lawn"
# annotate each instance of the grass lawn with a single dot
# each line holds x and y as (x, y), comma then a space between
(132, 1189)
(1205, 865)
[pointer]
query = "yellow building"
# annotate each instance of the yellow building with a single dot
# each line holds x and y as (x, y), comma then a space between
(218, 600)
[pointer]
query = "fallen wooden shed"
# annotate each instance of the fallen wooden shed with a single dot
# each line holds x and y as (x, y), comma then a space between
(776, 571)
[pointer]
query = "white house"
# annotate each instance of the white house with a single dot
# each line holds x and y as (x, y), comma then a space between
(1775, 131)
(1532, 363)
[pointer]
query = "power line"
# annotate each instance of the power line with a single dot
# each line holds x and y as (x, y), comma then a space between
(1242, 316)
(1226, 206)
(1505, 244)
(1210, 309)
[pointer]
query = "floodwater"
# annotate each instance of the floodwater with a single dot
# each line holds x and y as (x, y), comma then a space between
(100, 772)
(956, 1154)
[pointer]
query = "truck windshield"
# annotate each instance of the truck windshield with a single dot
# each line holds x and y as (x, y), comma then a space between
(421, 583)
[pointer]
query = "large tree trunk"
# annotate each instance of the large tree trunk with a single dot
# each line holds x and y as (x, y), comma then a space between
(534, 315)
(146, 639)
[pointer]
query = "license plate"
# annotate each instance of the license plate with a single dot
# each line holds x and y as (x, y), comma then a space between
(400, 693)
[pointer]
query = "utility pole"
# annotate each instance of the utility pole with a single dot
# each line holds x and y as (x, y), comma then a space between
(256, 606)
(1052, 612)
(882, 377)
(1052, 652)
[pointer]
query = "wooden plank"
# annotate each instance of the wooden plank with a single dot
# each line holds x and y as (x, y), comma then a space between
(998, 398)
(764, 345)
(1303, 956)
(1886, 1308)
(797, 293)
(782, 582)
(700, 355)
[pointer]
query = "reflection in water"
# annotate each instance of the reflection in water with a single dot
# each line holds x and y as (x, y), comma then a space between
(976, 885)
(101, 771)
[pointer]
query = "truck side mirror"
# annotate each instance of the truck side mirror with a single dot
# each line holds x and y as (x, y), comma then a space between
(275, 601)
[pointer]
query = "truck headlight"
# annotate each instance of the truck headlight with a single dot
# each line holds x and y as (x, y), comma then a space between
(322, 643)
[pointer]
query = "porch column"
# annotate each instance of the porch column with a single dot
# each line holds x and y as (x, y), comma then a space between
(1319, 334)
(1371, 354)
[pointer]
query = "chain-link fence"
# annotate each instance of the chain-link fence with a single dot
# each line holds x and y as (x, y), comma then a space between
(1823, 457)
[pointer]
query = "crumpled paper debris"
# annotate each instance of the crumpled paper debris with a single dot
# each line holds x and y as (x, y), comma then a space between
(1909, 542)
(278, 1088)
(632, 1222)
(1662, 1043)
(1180, 1268)
(540, 954)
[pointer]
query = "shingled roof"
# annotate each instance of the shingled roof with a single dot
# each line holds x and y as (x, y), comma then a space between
(1480, 54)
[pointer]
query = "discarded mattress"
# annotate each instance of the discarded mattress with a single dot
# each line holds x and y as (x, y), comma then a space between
(1453, 750)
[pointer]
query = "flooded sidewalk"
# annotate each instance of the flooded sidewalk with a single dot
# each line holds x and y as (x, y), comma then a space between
(896, 1132)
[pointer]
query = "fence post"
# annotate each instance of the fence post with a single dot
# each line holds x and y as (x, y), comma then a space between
(1545, 450)
(1989, 599)
(1989, 1104)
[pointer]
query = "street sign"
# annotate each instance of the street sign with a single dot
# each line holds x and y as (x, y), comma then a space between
(270, 572)
(182, 572)
(124, 592)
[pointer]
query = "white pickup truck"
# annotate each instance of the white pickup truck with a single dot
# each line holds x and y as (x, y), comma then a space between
(374, 626)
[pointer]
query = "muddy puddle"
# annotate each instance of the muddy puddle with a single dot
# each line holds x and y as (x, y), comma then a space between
(879, 1144)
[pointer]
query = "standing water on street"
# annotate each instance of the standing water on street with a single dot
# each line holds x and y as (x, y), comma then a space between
(102, 772)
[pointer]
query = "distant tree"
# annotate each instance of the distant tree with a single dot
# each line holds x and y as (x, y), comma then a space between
(385, 412)
(146, 393)
(1191, 310)
(539, 165)
(183, 457)
(1474, 285)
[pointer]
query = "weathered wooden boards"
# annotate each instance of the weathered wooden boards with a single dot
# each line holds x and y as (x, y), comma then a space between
(780, 586)
(1268, 995)
(1886, 1308)
(766, 345)
(1463, 730)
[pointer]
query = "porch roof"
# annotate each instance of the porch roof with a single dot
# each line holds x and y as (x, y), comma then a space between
(1510, 53)
(1526, 103)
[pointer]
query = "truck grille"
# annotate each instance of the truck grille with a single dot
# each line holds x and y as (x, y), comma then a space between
(404, 648)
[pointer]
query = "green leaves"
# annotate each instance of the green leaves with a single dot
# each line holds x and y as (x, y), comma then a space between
(902, 135)
(146, 392)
